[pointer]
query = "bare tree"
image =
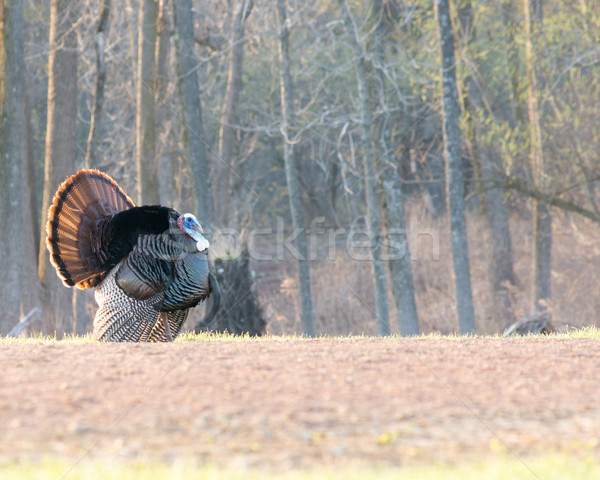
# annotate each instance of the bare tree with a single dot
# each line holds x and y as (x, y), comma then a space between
(291, 171)
(542, 221)
(399, 266)
(162, 52)
(487, 164)
(454, 168)
(167, 189)
(12, 161)
(30, 220)
(193, 130)
(222, 98)
(145, 121)
(91, 156)
(83, 298)
(229, 116)
(370, 166)
(1, 57)
(500, 263)
(510, 7)
(60, 146)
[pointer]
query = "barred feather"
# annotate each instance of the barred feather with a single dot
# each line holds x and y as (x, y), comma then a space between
(121, 318)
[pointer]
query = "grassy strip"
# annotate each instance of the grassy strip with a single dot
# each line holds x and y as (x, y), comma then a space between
(587, 332)
(549, 467)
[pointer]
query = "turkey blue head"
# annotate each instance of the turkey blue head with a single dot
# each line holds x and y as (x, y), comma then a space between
(188, 224)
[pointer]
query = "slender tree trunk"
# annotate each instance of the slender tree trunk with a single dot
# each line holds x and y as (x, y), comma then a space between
(542, 255)
(400, 268)
(162, 55)
(30, 221)
(508, 7)
(60, 148)
(500, 264)
(291, 172)
(92, 159)
(167, 189)
(373, 200)
(227, 140)
(145, 121)
(195, 143)
(486, 164)
(12, 161)
(82, 299)
(542, 220)
(454, 168)
(2, 80)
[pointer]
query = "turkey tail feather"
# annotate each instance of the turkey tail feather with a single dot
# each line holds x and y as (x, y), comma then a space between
(79, 202)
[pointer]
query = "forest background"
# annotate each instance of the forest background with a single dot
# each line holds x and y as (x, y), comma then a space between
(382, 166)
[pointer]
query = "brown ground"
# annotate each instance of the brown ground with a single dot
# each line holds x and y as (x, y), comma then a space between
(300, 403)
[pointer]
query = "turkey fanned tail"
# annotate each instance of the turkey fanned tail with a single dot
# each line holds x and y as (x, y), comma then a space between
(79, 202)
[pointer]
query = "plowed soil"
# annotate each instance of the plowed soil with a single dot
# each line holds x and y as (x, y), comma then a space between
(281, 403)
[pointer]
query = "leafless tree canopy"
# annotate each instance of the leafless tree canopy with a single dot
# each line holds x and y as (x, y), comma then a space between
(386, 166)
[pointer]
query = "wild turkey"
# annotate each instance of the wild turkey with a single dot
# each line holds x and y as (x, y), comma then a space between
(149, 264)
(539, 323)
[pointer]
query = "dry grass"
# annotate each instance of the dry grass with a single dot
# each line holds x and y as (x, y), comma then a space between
(342, 288)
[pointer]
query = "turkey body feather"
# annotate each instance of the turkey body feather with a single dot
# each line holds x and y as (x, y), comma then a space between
(149, 264)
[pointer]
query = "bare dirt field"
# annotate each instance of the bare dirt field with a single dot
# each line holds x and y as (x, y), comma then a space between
(283, 403)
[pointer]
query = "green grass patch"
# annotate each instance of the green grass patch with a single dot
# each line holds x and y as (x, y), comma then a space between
(585, 333)
(548, 467)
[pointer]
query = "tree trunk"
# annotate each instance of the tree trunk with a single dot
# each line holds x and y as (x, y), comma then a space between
(486, 164)
(454, 169)
(500, 264)
(195, 143)
(512, 57)
(167, 189)
(291, 172)
(30, 221)
(12, 162)
(82, 299)
(542, 220)
(162, 55)
(370, 166)
(2, 80)
(92, 159)
(227, 140)
(542, 255)
(145, 126)
(60, 148)
(239, 312)
(399, 265)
